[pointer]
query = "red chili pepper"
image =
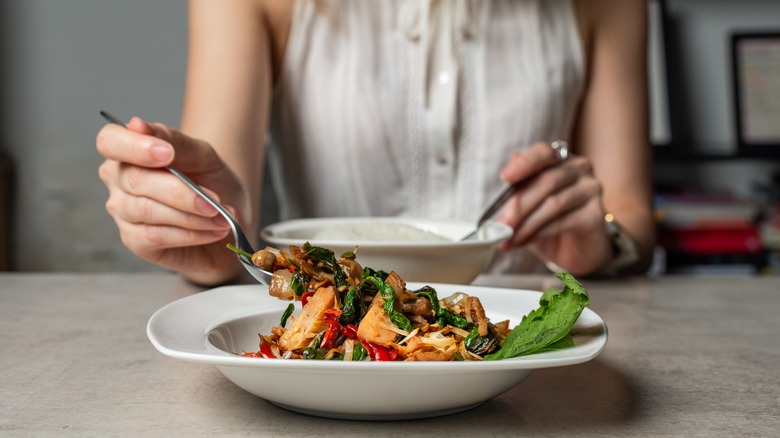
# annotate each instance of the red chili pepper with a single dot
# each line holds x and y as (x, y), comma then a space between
(331, 317)
(265, 351)
(379, 353)
(349, 330)
(305, 297)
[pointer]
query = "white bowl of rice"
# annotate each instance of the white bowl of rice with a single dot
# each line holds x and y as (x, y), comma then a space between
(427, 250)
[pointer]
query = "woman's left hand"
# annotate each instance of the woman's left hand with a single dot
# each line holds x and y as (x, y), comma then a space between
(558, 214)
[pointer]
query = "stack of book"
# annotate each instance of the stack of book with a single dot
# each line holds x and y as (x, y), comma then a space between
(710, 234)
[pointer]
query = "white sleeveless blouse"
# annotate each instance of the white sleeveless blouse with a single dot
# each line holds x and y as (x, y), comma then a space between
(412, 107)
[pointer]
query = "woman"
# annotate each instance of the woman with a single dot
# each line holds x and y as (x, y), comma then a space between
(400, 107)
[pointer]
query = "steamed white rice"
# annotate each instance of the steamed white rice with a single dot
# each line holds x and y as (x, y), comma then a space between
(377, 231)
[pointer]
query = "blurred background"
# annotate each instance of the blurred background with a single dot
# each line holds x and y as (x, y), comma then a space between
(63, 61)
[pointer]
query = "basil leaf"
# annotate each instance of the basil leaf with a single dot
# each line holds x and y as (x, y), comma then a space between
(298, 282)
(481, 345)
(548, 324)
(327, 257)
(388, 296)
(565, 342)
(319, 253)
(359, 352)
(352, 310)
(444, 317)
(312, 353)
(286, 315)
(369, 272)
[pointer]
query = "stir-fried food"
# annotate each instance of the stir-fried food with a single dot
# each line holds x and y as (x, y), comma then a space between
(351, 312)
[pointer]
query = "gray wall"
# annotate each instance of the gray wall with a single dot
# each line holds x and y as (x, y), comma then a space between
(703, 99)
(64, 60)
(703, 57)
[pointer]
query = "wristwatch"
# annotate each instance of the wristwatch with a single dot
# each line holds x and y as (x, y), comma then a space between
(624, 249)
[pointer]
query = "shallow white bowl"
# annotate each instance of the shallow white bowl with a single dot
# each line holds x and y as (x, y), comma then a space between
(212, 326)
(440, 261)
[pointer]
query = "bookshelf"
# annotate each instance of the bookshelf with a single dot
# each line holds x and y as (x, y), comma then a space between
(694, 133)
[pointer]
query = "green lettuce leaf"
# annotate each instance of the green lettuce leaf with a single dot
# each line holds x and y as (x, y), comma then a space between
(558, 311)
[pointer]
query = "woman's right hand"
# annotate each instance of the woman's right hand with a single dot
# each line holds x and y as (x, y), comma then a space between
(159, 218)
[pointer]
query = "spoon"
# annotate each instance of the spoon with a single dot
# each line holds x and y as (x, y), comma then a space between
(242, 243)
(494, 207)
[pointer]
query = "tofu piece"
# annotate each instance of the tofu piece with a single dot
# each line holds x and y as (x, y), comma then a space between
(280, 285)
(376, 326)
(310, 321)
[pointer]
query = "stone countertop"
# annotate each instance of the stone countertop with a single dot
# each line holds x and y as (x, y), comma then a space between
(686, 356)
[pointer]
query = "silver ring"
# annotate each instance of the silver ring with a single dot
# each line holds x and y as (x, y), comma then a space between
(561, 149)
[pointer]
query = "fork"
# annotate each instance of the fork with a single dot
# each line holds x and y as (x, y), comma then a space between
(495, 206)
(242, 243)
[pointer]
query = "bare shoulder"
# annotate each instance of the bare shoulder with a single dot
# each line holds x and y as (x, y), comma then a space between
(267, 14)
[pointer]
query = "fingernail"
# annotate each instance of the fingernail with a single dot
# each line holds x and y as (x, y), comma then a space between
(203, 206)
(161, 152)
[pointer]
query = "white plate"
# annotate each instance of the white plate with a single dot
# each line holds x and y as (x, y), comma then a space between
(441, 261)
(211, 326)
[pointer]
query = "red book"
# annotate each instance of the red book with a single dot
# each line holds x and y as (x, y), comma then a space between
(712, 240)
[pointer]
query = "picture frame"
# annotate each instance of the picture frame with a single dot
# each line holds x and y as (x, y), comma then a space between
(756, 76)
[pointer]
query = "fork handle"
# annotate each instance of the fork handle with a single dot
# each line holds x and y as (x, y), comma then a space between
(500, 201)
